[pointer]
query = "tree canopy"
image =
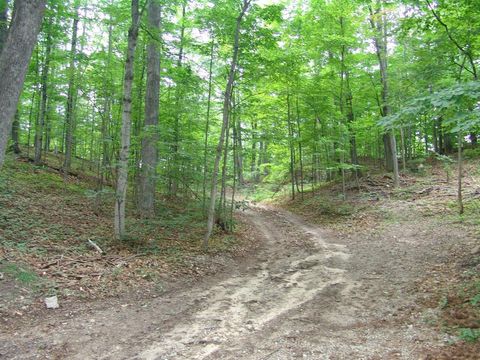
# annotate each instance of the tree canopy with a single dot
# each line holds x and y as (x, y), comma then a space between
(245, 92)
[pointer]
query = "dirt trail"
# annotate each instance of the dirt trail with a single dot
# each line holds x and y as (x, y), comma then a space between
(304, 294)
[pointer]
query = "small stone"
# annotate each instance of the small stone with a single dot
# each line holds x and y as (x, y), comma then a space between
(51, 302)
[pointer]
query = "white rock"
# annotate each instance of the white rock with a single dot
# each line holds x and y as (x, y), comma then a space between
(51, 302)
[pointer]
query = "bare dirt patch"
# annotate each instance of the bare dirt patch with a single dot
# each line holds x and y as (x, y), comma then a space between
(304, 294)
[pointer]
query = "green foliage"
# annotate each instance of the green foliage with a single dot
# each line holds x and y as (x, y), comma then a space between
(475, 300)
(473, 153)
(469, 335)
(417, 165)
(306, 103)
(20, 273)
(447, 163)
(457, 101)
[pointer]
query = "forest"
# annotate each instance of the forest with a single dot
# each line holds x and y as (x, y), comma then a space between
(148, 145)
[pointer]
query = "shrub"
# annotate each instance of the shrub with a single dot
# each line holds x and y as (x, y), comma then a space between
(473, 153)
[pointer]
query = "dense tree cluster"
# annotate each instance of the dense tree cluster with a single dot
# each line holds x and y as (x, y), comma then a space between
(175, 97)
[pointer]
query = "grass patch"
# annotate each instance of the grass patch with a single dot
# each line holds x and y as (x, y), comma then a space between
(21, 274)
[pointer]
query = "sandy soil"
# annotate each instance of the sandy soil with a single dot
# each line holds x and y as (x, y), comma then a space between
(304, 294)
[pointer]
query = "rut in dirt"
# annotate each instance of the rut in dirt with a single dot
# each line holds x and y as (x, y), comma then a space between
(294, 266)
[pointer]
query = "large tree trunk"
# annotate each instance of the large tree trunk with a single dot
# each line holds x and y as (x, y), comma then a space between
(14, 60)
(226, 103)
(148, 171)
(122, 179)
(72, 89)
(43, 103)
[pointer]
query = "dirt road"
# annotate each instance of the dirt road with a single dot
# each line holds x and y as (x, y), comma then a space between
(304, 294)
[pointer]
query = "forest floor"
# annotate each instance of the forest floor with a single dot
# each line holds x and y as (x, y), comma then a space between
(385, 274)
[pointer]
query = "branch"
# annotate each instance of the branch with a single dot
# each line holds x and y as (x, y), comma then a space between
(462, 66)
(467, 53)
(95, 246)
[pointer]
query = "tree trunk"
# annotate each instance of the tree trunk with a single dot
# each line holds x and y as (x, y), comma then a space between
(178, 109)
(237, 139)
(43, 103)
(152, 95)
(32, 110)
(460, 174)
(291, 145)
(347, 97)
(379, 26)
(300, 149)
(440, 135)
(239, 153)
(122, 179)
(350, 121)
(106, 113)
(48, 122)
(226, 102)
(15, 133)
(253, 164)
(14, 60)
(234, 186)
(404, 150)
(315, 156)
(207, 125)
(138, 121)
(72, 89)
(223, 190)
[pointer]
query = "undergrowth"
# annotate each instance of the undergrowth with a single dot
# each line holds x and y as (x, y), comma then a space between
(47, 220)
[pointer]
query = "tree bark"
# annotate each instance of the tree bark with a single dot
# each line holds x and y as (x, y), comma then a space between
(104, 162)
(378, 25)
(300, 148)
(239, 153)
(43, 102)
(253, 160)
(237, 143)
(226, 102)
(72, 89)
(223, 189)
(16, 134)
(122, 179)
(178, 109)
(207, 125)
(14, 60)
(291, 145)
(152, 95)
(460, 174)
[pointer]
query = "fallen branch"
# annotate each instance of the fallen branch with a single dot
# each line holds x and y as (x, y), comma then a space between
(95, 246)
